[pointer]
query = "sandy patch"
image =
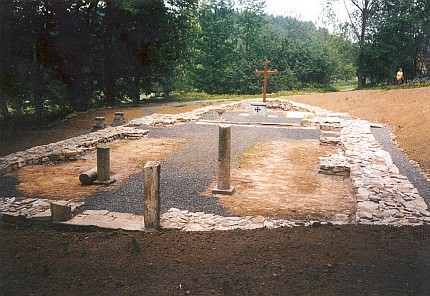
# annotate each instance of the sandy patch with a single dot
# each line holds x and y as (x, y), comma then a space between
(280, 179)
(61, 180)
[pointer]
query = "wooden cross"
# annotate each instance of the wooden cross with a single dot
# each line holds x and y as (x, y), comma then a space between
(265, 72)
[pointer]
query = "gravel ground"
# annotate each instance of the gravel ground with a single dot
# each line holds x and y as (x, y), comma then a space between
(190, 170)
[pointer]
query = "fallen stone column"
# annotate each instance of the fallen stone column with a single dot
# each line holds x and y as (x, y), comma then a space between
(89, 176)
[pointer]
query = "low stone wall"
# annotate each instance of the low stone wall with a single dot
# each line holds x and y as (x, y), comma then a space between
(383, 195)
(66, 150)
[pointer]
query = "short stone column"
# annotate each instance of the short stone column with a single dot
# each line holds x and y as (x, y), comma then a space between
(151, 199)
(224, 150)
(103, 165)
(220, 112)
(100, 123)
(118, 119)
(60, 211)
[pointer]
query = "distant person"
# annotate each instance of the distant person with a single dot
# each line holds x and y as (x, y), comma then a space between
(399, 77)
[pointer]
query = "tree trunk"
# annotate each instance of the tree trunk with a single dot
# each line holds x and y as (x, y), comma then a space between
(38, 91)
(135, 95)
(109, 64)
(3, 35)
(4, 111)
(364, 18)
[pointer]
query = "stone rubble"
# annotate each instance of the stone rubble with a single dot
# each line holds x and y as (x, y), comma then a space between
(383, 196)
(336, 164)
(189, 221)
(35, 209)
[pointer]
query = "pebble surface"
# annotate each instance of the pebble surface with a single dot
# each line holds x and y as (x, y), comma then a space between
(384, 193)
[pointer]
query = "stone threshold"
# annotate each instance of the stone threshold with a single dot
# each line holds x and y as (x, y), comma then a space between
(248, 123)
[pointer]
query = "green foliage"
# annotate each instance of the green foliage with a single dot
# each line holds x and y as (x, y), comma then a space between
(61, 56)
(399, 35)
(83, 250)
(410, 85)
(226, 285)
(389, 34)
(65, 248)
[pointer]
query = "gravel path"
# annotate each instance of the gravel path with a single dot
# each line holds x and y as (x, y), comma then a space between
(403, 164)
(190, 170)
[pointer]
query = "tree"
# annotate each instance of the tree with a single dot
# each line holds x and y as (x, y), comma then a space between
(5, 56)
(216, 47)
(302, 58)
(251, 44)
(343, 51)
(398, 37)
(359, 21)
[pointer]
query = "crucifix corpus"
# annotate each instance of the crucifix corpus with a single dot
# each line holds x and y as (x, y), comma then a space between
(265, 73)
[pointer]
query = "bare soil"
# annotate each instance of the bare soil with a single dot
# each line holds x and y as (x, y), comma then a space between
(328, 260)
(281, 180)
(61, 180)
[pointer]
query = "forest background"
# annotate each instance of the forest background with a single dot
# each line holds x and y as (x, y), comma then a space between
(57, 57)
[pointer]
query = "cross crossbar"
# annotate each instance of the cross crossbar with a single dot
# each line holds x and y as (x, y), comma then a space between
(266, 72)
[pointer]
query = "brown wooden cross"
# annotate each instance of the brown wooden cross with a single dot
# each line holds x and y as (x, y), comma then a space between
(265, 73)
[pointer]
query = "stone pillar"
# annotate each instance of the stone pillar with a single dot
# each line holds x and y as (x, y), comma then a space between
(118, 119)
(103, 162)
(103, 165)
(60, 211)
(220, 111)
(151, 201)
(224, 150)
(100, 123)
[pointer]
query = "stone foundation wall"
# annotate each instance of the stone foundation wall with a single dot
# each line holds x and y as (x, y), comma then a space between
(383, 195)
(66, 150)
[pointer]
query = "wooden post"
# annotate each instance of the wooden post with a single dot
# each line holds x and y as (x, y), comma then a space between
(151, 201)
(224, 150)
